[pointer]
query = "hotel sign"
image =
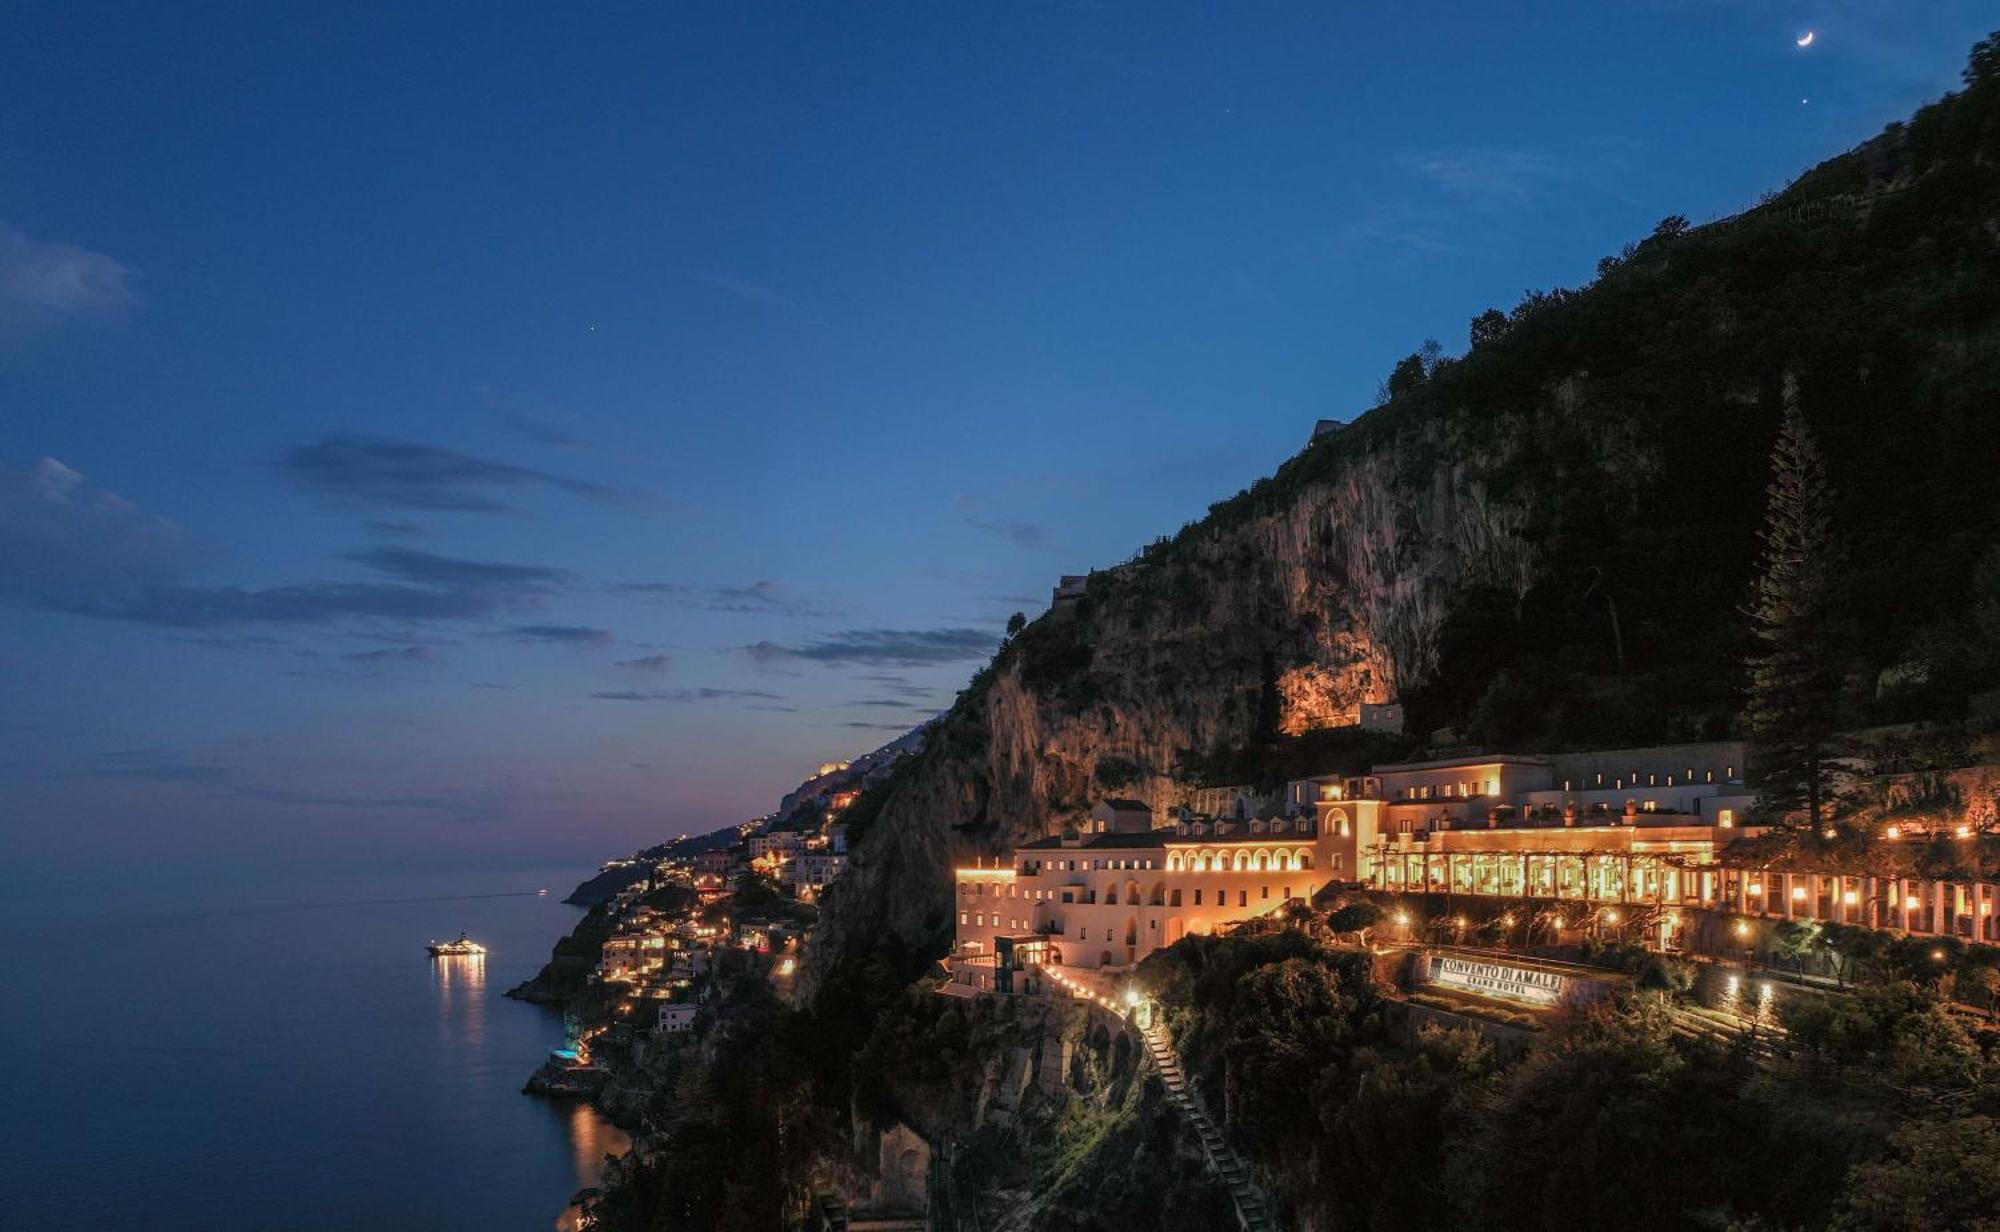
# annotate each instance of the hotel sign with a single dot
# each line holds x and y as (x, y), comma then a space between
(1499, 979)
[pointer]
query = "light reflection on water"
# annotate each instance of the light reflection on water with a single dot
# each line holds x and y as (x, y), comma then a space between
(594, 1138)
(461, 985)
(292, 1060)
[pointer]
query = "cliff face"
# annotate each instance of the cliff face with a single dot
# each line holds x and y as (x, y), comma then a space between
(1273, 626)
(1545, 543)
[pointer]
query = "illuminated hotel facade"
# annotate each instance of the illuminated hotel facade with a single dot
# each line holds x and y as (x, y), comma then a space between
(1640, 829)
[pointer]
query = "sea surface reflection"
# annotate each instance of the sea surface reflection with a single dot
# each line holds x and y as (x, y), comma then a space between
(288, 1060)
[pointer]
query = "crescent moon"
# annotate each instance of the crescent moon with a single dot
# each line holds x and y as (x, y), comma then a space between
(1807, 39)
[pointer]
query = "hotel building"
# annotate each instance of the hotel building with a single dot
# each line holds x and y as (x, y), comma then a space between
(1610, 826)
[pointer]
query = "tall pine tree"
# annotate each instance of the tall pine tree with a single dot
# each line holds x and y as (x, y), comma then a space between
(1793, 685)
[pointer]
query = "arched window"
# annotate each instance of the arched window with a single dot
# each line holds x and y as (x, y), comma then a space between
(1242, 861)
(1158, 897)
(1305, 859)
(1111, 894)
(1284, 861)
(1174, 862)
(1261, 861)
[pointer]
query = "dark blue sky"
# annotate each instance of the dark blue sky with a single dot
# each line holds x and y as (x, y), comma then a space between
(429, 437)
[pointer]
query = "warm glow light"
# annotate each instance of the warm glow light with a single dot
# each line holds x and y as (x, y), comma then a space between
(1506, 921)
(1963, 832)
(1912, 903)
(1937, 955)
(1132, 997)
(1756, 887)
(1461, 921)
(1403, 918)
(1611, 915)
(1894, 831)
(1850, 898)
(1829, 833)
(1558, 921)
(1798, 894)
(1742, 928)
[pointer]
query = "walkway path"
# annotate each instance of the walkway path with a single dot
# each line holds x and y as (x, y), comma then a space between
(1251, 1210)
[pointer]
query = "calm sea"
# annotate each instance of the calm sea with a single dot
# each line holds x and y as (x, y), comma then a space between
(285, 1060)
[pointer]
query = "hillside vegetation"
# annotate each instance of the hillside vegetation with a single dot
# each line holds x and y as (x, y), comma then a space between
(1545, 543)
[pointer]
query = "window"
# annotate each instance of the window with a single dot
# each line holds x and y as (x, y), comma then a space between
(1243, 898)
(962, 917)
(1266, 892)
(1288, 892)
(1197, 898)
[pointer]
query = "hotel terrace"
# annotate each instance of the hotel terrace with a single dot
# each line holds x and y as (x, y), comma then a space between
(1640, 829)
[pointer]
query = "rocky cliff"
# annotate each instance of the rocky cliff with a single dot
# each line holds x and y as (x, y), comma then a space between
(1544, 542)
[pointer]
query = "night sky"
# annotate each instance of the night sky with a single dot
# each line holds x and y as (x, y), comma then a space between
(498, 434)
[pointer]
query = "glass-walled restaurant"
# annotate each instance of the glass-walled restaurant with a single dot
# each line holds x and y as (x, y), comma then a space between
(1679, 872)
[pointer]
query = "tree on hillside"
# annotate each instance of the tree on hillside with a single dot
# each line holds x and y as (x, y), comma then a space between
(1936, 1174)
(1793, 686)
(1355, 918)
(1404, 377)
(1489, 327)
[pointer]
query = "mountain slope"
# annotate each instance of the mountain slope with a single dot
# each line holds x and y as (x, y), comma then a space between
(1546, 542)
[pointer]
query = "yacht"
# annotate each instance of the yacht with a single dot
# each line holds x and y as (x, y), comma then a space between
(461, 948)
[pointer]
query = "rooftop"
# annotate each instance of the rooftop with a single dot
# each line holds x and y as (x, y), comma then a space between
(1100, 842)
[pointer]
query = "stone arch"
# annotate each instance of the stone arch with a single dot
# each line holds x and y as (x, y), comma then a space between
(1174, 862)
(1242, 860)
(1158, 897)
(1336, 821)
(1305, 858)
(1132, 893)
(1111, 894)
(1104, 958)
(1131, 930)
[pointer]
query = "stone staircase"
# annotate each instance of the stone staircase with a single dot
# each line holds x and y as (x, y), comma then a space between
(1251, 1210)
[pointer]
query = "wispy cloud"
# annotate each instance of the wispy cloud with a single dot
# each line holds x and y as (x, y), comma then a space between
(883, 703)
(431, 569)
(70, 546)
(901, 686)
(1488, 178)
(743, 289)
(1015, 531)
(384, 471)
(391, 529)
(763, 597)
(883, 647)
(648, 663)
(155, 766)
(544, 432)
(43, 281)
(569, 635)
(389, 655)
(686, 695)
